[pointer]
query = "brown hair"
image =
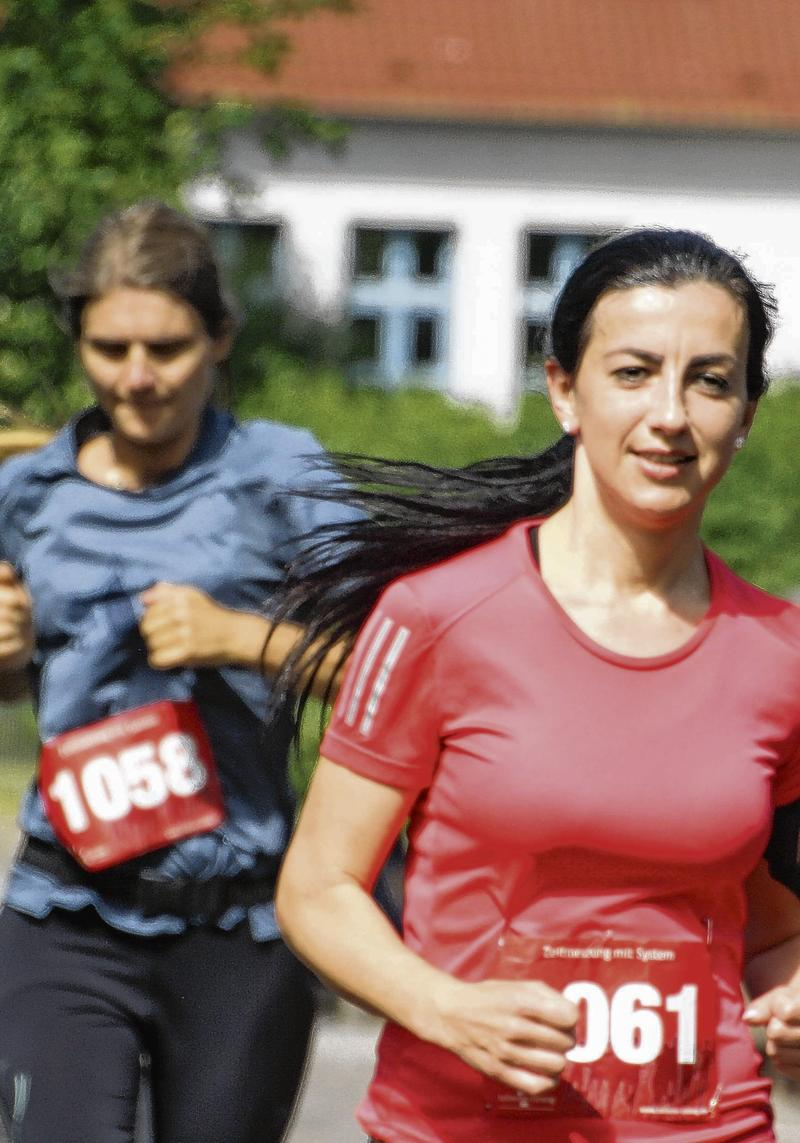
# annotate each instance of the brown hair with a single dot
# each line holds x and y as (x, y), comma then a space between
(153, 247)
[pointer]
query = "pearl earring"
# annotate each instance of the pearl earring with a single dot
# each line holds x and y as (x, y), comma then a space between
(566, 426)
(740, 440)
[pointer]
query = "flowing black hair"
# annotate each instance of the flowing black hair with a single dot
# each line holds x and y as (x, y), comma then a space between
(415, 515)
(412, 515)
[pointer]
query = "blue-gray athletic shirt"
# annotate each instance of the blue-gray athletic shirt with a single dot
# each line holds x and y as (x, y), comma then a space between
(223, 522)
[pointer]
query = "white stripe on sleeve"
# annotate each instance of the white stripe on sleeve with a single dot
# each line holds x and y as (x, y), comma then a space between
(382, 679)
(370, 656)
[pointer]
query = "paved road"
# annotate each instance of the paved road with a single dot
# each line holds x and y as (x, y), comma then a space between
(339, 1071)
(341, 1064)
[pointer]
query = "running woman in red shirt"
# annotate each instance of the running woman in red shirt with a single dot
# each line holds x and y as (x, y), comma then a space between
(589, 720)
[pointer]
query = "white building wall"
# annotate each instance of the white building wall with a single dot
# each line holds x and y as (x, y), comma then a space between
(491, 184)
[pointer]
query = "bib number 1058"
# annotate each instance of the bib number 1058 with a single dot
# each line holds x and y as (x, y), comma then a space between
(631, 1023)
(109, 786)
(130, 784)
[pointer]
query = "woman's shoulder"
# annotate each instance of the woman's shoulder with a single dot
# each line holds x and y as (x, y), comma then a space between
(447, 590)
(54, 457)
(269, 449)
(740, 599)
(275, 438)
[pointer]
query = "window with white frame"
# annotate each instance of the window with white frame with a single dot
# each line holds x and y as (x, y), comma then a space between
(549, 257)
(399, 303)
(250, 254)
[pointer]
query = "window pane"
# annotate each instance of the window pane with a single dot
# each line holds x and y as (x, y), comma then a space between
(247, 252)
(429, 245)
(541, 248)
(535, 351)
(365, 339)
(535, 342)
(258, 249)
(423, 341)
(550, 257)
(369, 249)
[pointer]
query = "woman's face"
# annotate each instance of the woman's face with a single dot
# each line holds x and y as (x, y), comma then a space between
(149, 362)
(658, 399)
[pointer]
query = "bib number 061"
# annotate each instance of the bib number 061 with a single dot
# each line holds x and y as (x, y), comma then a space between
(143, 775)
(631, 1024)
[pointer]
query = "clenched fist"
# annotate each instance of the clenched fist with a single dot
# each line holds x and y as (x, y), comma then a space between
(517, 1032)
(16, 621)
(184, 627)
(778, 1012)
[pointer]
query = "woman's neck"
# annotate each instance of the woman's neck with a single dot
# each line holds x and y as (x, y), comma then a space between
(620, 556)
(636, 591)
(117, 463)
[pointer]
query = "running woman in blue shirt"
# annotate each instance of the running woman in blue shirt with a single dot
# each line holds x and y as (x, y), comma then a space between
(139, 547)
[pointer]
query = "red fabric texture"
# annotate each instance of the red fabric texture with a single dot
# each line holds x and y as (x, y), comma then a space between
(568, 793)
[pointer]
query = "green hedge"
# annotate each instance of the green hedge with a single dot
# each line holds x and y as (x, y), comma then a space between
(753, 519)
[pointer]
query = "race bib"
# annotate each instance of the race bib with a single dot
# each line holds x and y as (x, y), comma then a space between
(646, 1037)
(130, 784)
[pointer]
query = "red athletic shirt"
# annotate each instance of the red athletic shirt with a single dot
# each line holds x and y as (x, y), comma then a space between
(575, 796)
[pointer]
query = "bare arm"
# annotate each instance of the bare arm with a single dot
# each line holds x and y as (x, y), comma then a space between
(772, 972)
(182, 626)
(515, 1031)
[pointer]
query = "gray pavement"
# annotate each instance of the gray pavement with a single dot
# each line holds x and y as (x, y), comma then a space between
(341, 1063)
(340, 1067)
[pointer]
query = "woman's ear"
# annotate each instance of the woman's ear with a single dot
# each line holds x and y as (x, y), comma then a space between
(561, 388)
(223, 343)
(751, 408)
(746, 425)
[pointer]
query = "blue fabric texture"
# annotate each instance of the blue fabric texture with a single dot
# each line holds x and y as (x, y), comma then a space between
(224, 522)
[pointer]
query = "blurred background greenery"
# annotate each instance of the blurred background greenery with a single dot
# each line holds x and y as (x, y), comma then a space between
(753, 519)
(87, 123)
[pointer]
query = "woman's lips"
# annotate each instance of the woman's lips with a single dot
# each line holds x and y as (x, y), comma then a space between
(664, 465)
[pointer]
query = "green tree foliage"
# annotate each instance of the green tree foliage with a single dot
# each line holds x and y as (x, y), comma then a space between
(86, 125)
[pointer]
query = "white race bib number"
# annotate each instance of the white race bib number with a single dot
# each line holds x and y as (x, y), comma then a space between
(646, 1038)
(131, 783)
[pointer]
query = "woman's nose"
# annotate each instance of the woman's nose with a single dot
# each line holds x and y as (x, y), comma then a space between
(668, 406)
(139, 372)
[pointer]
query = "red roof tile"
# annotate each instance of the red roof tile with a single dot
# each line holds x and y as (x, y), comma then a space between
(689, 63)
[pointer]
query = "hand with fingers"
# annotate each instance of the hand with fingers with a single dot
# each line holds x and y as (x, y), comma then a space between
(778, 1013)
(16, 621)
(182, 626)
(516, 1032)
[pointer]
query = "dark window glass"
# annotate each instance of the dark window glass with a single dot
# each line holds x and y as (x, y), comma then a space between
(428, 245)
(535, 347)
(364, 339)
(542, 252)
(535, 343)
(246, 250)
(541, 248)
(423, 345)
(369, 249)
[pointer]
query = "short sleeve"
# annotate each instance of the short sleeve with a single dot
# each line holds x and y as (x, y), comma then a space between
(385, 724)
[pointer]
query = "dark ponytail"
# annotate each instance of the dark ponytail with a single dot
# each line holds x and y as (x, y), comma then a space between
(416, 515)
(413, 515)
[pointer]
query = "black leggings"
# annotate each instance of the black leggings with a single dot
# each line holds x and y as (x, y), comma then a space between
(225, 1021)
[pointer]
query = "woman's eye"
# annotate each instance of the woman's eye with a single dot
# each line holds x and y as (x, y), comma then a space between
(631, 373)
(165, 350)
(714, 381)
(113, 350)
